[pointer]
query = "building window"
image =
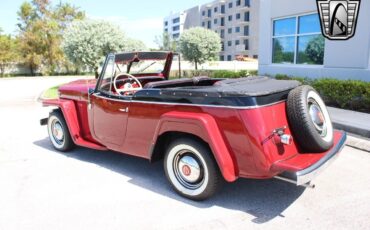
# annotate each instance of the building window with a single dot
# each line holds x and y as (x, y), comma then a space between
(230, 30)
(166, 30)
(230, 5)
(246, 44)
(209, 24)
(176, 36)
(237, 16)
(176, 28)
(209, 13)
(222, 46)
(230, 18)
(222, 33)
(166, 23)
(176, 20)
(229, 43)
(222, 21)
(237, 29)
(215, 9)
(246, 30)
(222, 9)
(238, 2)
(229, 57)
(246, 16)
(237, 42)
(255, 56)
(203, 13)
(203, 24)
(215, 21)
(298, 40)
(247, 3)
(222, 58)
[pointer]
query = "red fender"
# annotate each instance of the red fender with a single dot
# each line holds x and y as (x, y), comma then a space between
(69, 111)
(205, 127)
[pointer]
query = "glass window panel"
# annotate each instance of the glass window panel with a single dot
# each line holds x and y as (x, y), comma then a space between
(311, 49)
(309, 24)
(285, 27)
(283, 50)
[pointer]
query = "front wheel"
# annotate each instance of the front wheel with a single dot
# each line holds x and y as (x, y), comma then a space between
(59, 133)
(191, 169)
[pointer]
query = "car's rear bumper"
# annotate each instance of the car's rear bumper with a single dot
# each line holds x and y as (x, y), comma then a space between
(304, 176)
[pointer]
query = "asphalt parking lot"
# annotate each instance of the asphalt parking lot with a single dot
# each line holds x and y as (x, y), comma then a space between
(86, 189)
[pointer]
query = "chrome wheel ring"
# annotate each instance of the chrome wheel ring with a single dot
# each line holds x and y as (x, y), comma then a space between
(317, 117)
(188, 169)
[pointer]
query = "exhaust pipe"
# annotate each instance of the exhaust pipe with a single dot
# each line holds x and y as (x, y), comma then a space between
(307, 185)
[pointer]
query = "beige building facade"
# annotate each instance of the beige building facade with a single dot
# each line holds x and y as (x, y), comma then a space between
(236, 21)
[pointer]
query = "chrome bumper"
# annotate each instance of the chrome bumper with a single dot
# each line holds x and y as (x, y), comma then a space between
(305, 176)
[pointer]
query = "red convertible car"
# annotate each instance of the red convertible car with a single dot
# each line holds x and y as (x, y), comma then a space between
(205, 130)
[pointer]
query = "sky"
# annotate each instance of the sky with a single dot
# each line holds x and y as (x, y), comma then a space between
(139, 19)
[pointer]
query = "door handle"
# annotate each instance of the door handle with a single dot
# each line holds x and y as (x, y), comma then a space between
(125, 110)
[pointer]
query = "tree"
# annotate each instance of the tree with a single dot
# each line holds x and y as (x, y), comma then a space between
(133, 45)
(315, 50)
(41, 28)
(87, 42)
(199, 45)
(8, 52)
(165, 42)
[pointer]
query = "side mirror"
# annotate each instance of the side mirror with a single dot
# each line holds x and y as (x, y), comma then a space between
(91, 91)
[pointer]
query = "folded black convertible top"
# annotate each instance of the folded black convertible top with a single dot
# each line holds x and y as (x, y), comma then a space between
(250, 86)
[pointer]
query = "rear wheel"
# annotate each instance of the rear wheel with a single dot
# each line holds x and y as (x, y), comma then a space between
(191, 170)
(58, 132)
(310, 120)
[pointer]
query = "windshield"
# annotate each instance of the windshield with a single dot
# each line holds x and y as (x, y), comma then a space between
(142, 66)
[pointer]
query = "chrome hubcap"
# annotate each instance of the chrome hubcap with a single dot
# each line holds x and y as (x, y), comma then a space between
(317, 117)
(57, 131)
(188, 170)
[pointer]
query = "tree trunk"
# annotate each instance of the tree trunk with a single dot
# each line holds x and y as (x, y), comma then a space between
(32, 70)
(2, 70)
(196, 65)
(96, 72)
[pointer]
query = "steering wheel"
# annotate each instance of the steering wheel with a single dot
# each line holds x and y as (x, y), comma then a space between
(128, 87)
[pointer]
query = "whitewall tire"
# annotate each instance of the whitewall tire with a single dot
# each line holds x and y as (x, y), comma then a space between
(58, 132)
(191, 169)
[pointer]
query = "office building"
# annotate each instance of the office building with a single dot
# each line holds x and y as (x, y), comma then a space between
(236, 21)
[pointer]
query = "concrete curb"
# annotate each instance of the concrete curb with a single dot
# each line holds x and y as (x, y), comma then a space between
(352, 129)
(358, 143)
(351, 121)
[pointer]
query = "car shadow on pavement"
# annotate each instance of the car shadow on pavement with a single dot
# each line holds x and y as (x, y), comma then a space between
(263, 199)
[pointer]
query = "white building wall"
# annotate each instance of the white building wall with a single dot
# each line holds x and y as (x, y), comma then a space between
(343, 59)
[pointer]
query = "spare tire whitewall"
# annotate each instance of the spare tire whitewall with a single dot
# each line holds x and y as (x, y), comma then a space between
(309, 120)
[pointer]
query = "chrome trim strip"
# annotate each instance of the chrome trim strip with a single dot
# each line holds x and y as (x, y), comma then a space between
(197, 105)
(306, 175)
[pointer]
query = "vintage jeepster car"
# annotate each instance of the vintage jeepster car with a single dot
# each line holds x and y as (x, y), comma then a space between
(205, 130)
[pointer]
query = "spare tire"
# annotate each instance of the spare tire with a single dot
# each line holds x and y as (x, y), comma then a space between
(309, 120)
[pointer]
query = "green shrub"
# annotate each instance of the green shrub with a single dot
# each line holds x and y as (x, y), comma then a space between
(349, 94)
(214, 73)
(345, 94)
(302, 80)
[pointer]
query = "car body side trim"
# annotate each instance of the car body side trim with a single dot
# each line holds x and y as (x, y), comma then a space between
(188, 104)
